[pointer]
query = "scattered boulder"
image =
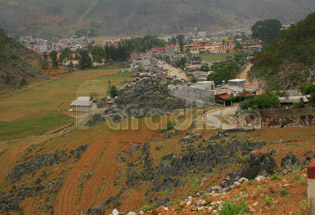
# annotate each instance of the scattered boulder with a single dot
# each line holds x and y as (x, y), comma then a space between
(255, 165)
(289, 161)
(115, 212)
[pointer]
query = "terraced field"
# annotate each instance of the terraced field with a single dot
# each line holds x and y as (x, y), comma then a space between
(43, 107)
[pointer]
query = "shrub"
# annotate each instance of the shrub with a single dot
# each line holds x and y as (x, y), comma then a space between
(230, 208)
(174, 203)
(276, 177)
(252, 181)
(149, 208)
(284, 191)
(264, 101)
(169, 126)
(113, 91)
(243, 187)
(268, 200)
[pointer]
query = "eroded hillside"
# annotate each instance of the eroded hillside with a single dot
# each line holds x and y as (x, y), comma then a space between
(289, 60)
(96, 170)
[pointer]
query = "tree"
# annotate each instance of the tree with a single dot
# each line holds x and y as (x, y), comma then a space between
(90, 48)
(54, 58)
(92, 32)
(98, 54)
(238, 46)
(264, 101)
(181, 62)
(312, 99)
(266, 30)
(224, 72)
(85, 60)
(113, 91)
(240, 59)
(181, 42)
(308, 89)
(107, 53)
(65, 54)
(173, 40)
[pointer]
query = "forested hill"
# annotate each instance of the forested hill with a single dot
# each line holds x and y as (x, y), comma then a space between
(141, 17)
(16, 69)
(289, 60)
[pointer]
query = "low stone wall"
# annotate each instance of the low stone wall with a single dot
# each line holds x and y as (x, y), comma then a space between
(193, 94)
(288, 117)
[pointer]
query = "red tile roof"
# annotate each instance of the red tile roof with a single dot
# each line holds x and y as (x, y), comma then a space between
(224, 96)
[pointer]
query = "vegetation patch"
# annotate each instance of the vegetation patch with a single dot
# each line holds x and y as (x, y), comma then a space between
(230, 208)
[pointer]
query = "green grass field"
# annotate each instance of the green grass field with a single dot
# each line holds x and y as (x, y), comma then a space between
(43, 107)
(215, 57)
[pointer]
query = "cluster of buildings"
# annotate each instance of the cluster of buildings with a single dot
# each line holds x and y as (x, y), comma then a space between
(204, 47)
(40, 45)
(208, 93)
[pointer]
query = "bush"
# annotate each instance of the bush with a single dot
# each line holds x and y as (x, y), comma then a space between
(312, 99)
(298, 105)
(230, 208)
(268, 200)
(149, 208)
(223, 72)
(264, 101)
(276, 177)
(113, 91)
(284, 191)
(169, 126)
(308, 89)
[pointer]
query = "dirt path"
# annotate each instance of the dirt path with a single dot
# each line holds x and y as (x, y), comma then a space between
(244, 74)
(173, 71)
(219, 118)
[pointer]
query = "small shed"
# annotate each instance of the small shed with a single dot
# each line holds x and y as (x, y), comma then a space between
(205, 85)
(293, 99)
(237, 82)
(84, 104)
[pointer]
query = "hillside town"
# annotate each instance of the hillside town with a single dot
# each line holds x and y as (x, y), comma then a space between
(210, 114)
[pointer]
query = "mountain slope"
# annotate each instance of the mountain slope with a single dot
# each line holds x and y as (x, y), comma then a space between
(289, 60)
(16, 68)
(123, 17)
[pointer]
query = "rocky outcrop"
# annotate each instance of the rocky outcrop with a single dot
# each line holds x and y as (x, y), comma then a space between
(289, 161)
(28, 188)
(255, 165)
(143, 97)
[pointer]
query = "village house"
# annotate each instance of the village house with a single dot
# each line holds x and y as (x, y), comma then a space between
(84, 104)
(237, 87)
(197, 49)
(198, 92)
(250, 44)
(289, 100)
(213, 48)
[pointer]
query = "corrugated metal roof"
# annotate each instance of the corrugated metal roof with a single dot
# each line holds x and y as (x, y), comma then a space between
(82, 103)
(293, 99)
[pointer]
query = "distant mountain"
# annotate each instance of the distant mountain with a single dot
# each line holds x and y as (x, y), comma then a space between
(135, 17)
(17, 64)
(289, 60)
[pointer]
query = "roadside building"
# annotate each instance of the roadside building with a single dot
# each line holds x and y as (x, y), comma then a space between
(289, 100)
(198, 92)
